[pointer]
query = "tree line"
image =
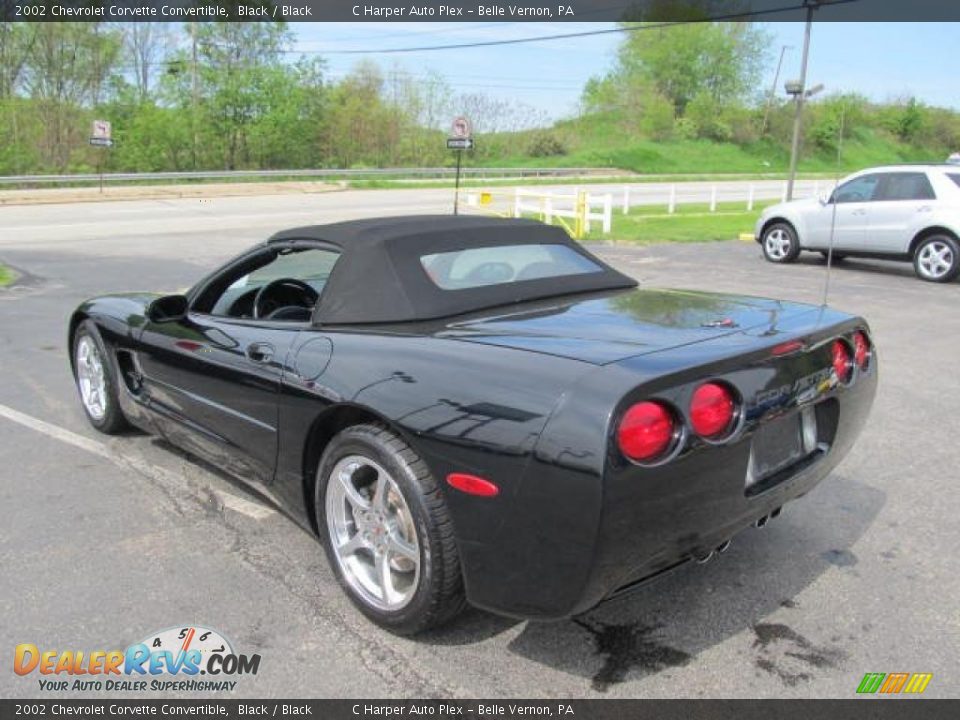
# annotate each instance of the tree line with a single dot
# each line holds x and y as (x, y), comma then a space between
(217, 96)
(202, 96)
(703, 81)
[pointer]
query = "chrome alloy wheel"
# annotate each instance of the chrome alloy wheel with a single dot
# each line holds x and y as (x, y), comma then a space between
(372, 533)
(777, 243)
(91, 378)
(936, 259)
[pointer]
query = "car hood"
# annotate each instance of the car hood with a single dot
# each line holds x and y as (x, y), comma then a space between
(617, 326)
(801, 204)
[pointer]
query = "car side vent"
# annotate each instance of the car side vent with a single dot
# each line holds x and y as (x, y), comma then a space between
(129, 371)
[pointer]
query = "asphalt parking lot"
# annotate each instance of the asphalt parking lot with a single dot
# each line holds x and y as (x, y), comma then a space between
(108, 539)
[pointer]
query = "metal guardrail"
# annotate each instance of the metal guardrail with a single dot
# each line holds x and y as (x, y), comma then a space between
(413, 173)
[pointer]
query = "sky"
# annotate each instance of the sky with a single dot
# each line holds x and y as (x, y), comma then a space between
(880, 60)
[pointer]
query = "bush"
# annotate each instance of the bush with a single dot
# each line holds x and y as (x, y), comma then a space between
(657, 117)
(685, 129)
(545, 144)
(706, 113)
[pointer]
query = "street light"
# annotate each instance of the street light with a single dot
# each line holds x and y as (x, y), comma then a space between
(797, 90)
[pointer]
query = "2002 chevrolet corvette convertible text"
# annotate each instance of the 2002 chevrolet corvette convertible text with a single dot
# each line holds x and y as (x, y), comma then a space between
(476, 410)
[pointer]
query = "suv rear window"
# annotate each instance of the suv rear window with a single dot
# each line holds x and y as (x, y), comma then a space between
(955, 177)
(500, 264)
(905, 186)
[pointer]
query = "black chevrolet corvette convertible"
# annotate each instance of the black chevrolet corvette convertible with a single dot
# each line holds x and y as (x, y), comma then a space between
(477, 410)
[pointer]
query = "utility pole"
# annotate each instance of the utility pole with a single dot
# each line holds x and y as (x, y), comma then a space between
(798, 115)
(773, 90)
(193, 109)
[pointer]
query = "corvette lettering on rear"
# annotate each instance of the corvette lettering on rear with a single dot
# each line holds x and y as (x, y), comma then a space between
(818, 382)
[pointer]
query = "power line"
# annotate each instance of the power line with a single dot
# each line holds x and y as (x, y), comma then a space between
(568, 36)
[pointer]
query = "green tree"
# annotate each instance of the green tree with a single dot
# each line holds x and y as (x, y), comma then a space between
(721, 61)
(67, 67)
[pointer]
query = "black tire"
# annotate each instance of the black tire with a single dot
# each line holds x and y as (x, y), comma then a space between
(780, 244)
(937, 258)
(111, 421)
(837, 257)
(439, 594)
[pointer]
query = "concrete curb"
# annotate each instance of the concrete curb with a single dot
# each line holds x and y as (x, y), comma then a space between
(161, 192)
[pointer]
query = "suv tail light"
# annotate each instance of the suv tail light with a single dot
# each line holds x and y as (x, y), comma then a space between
(647, 431)
(713, 410)
(861, 349)
(842, 361)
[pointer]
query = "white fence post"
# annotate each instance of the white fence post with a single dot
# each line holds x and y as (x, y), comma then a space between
(816, 188)
(586, 214)
(673, 199)
(750, 198)
(626, 199)
(548, 209)
(713, 199)
(783, 195)
(516, 203)
(607, 212)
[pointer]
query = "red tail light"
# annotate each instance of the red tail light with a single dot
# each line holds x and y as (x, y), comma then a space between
(646, 431)
(712, 410)
(861, 349)
(842, 362)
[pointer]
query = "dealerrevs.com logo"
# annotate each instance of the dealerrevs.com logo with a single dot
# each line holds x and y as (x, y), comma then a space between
(191, 658)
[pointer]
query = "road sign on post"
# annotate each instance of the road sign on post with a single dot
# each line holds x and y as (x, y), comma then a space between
(101, 133)
(460, 139)
(101, 136)
(460, 128)
(459, 143)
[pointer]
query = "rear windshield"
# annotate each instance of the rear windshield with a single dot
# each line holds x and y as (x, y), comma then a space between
(498, 265)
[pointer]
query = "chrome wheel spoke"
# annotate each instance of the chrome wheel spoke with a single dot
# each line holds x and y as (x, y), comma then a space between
(396, 545)
(380, 494)
(384, 577)
(351, 494)
(351, 546)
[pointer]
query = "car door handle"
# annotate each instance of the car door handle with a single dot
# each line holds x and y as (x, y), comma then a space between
(924, 208)
(861, 211)
(260, 352)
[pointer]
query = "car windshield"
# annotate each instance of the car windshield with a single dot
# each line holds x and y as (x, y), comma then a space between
(497, 265)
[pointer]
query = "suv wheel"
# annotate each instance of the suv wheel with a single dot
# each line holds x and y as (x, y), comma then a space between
(780, 244)
(937, 259)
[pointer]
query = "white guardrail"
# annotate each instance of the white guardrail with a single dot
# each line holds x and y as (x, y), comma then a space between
(409, 173)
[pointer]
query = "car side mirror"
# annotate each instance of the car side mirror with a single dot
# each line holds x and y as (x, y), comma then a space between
(169, 308)
(827, 199)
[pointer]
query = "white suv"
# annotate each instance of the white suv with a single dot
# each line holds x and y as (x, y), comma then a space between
(905, 212)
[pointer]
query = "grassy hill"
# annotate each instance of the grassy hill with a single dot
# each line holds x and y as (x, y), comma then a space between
(601, 141)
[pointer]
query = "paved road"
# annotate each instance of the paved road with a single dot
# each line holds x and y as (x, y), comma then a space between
(106, 540)
(113, 224)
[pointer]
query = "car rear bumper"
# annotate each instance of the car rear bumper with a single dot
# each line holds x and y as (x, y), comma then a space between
(579, 539)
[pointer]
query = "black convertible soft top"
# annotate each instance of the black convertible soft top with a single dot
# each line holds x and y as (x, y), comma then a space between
(379, 277)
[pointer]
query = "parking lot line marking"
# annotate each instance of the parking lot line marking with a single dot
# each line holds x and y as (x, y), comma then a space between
(229, 500)
(54, 431)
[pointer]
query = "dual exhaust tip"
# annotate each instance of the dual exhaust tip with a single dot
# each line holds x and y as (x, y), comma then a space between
(767, 518)
(722, 547)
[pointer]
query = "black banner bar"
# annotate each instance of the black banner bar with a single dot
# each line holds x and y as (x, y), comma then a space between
(873, 708)
(512, 11)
